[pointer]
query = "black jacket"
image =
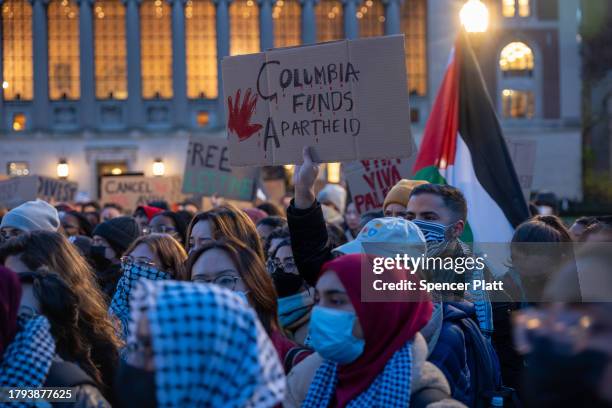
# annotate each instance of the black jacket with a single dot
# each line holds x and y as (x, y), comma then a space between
(309, 240)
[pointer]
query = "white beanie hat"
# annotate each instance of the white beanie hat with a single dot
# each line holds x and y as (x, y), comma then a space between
(32, 216)
(335, 194)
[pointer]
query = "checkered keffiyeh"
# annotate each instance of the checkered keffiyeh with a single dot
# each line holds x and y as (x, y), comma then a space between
(27, 359)
(390, 389)
(209, 349)
(132, 272)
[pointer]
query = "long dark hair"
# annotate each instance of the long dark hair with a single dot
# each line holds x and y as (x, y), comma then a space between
(60, 305)
(262, 294)
(54, 251)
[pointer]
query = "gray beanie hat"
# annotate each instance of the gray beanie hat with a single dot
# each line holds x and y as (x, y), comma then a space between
(334, 193)
(32, 216)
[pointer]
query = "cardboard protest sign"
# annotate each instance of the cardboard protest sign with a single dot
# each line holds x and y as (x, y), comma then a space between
(523, 154)
(207, 171)
(18, 190)
(132, 191)
(348, 99)
(370, 180)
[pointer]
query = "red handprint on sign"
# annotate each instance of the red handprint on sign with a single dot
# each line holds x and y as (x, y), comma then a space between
(240, 115)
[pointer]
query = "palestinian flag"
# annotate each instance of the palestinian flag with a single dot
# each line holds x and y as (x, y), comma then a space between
(463, 146)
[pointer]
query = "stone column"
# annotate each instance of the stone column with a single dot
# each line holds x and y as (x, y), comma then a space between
(41, 105)
(266, 24)
(179, 64)
(223, 49)
(351, 25)
(86, 49)
(134, 100)
(309, 21)
(393, 22)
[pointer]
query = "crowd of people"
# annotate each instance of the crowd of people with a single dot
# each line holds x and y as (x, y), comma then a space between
(264, 306)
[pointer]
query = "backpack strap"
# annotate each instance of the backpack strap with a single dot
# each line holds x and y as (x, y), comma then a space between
(425, 396)
(291, 357)
(67, 374)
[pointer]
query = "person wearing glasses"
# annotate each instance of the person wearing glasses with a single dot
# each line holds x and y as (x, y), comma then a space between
(295, 297)
(153, 257)
(171, 223)
(234, 266)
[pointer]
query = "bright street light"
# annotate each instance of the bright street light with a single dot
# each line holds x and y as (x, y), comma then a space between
(474, 16)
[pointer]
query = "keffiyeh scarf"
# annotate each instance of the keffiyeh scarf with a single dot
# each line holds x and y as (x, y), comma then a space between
(209, 348)
(27, 359)
(120, 304)
(391, 388)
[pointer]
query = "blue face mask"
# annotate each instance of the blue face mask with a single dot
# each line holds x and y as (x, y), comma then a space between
(331, 335)
(433, 231)
(294, 307)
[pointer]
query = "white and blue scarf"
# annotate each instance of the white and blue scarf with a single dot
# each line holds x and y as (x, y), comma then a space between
(27, 360)
(120, 304)
(390, 389)
(209, 348)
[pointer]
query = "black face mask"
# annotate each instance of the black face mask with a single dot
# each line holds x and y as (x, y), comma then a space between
(287, 284)
(134, 387)
(555, 377)
(98, 257)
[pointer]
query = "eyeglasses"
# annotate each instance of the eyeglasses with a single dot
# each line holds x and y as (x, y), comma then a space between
(227, 281)
(160, 229)
(287, 265)
(128, 260)
(7, 234)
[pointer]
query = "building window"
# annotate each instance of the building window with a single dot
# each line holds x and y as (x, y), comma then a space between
(329, 15)
(156, 49)
(17, 77)
(64, 65)
(518, 104)
(516, 60)
(287, 23)
(201, 44)
(516, 8)
(18, 169)
(371, 16)
(414, 17)
(110, 49)
(244, 27)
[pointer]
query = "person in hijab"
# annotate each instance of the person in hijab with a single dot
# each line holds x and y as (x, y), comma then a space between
(153, 257)
(29, 357)
(196, 345)
(172, 223)
(367, 360)
(75, 223)
(236, 267)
